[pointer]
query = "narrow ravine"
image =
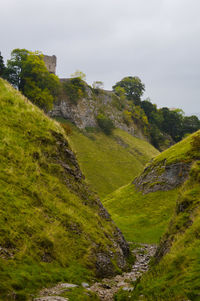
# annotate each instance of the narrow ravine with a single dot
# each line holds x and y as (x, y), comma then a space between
(107, 288)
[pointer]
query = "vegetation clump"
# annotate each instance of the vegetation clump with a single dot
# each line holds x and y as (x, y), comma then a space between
(74, 89)
(105, 123)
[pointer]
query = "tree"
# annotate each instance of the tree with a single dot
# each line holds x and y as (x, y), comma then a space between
(2, 66)
(75, 89)
(133, 87)
(105, 124)
(153, 114)
(15, 67)
(120, 92)
(97, 85)
(28, 73)
(190, 124)
(79, 74)
(172, 123)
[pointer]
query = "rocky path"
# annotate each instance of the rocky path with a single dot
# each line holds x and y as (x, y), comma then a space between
(109, 287)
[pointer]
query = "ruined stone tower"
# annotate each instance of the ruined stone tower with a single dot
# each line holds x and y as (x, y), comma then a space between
(50, 62)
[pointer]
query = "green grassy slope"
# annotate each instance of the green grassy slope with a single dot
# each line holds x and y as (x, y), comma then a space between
(145, 217)
(175, 271)
(177, 275)
(51, 226)
(141, 218)
(109, 162)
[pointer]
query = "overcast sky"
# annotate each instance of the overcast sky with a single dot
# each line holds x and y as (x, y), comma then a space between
(157, 40)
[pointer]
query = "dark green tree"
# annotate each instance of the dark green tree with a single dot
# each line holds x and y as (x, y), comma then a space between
(105, 124)
(190, 124)
(75, 89)
(15, 67)
(172, 123)
(133, 88)
(153, 114)
(2, 66)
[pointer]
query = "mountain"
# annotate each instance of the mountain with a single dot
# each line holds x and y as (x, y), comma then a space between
(167, 190)
(52, 227)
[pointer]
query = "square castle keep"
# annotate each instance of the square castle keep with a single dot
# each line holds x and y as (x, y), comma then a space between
(50, 62)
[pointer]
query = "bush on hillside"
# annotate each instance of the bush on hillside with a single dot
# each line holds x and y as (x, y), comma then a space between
(118, 101)
(105, 124)
(127, 117)
(74, 89)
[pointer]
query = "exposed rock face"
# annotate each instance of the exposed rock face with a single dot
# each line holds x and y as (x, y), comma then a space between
(83, 114)
(104, 260)
(104, 265)
(162, 177)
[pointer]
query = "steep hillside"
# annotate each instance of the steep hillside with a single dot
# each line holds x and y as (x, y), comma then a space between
(109, 162)
(143, 208)
(176, 272)
(52, 228)
(169, 186)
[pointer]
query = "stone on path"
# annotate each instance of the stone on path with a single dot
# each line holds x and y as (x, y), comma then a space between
(109, 287)
(85, 285)
(52, 294)
(51, 298)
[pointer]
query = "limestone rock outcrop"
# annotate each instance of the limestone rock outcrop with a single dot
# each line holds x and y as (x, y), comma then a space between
(84, 113)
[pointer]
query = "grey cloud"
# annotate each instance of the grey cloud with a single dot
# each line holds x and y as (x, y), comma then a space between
(157, 40)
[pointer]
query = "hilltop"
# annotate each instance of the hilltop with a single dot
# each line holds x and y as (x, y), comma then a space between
(53, 228)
